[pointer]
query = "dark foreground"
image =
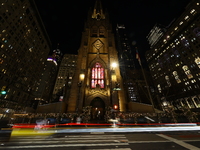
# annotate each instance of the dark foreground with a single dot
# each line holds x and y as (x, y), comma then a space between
(109, 138)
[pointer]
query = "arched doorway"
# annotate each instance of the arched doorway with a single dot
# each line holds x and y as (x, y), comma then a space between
(98, 107)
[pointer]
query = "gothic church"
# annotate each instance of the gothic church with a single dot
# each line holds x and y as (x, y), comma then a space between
(97, 81)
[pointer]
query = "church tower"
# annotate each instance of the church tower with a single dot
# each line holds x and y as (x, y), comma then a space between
(97, 81)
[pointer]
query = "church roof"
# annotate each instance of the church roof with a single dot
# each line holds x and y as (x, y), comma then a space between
(98, 11)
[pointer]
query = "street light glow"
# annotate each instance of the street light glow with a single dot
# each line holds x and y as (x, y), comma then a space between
(114, 65)
(3, 92)
(82, 76)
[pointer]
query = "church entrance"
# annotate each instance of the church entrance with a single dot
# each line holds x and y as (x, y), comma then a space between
(98, 107)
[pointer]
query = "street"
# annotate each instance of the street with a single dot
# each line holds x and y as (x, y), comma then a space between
(105, 139)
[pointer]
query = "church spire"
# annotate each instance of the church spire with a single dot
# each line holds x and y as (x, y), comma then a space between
(98, 11)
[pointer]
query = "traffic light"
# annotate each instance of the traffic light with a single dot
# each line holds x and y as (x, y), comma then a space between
(115, 107)
(3, 92)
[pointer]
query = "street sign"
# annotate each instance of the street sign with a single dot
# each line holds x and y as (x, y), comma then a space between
(116, 89)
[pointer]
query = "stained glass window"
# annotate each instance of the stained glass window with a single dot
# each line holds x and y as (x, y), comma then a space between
(97, 76)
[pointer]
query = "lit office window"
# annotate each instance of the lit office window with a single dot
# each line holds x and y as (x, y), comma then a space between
(185, 42)
(192, 11)
(187, 71)
(197, 61)
(176, 77)
(186, 17)
(159, 88)
(167, 79)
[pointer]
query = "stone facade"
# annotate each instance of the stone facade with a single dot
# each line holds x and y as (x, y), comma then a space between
(97, 47)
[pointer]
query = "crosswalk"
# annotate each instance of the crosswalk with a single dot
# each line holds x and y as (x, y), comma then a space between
(79, 141)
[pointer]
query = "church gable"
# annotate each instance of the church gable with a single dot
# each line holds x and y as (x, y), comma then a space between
(99, 60)
(98, 13)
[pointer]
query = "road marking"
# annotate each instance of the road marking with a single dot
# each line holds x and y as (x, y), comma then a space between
(179, 142)
(106, 135)
(148, 141)
(64, 145)
(96, 132)
(69, 141)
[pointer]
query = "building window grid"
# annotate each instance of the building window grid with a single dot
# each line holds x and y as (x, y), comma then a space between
(131, 92)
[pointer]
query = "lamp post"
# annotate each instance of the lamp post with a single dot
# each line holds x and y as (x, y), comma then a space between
(114, 65)
(113, 79)
(79, 84)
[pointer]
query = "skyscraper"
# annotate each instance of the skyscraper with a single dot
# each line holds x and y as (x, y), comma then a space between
(65, 74)
(24, 50)
(135, 87)
(174, 60)
(127, 65)
(43, 92)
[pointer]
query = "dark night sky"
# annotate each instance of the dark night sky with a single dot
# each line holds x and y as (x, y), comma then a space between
(64, 20)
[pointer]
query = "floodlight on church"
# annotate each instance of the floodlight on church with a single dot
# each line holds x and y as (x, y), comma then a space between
(82, 76)
(114, 65)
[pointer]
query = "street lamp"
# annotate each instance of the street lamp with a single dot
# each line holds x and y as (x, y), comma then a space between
(79, 84)
(113, 79)
(114, 65)
(81, 77)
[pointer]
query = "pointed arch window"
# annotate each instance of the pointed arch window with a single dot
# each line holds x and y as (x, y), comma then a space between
(101, 32)
(187, 71)
(197, 61)
(97, 77)
(176, 77)
(94, 31)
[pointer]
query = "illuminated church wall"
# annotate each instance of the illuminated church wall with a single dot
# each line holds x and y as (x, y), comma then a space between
(96, 54)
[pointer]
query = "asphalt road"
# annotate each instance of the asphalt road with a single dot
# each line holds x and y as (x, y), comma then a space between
(101, 139)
